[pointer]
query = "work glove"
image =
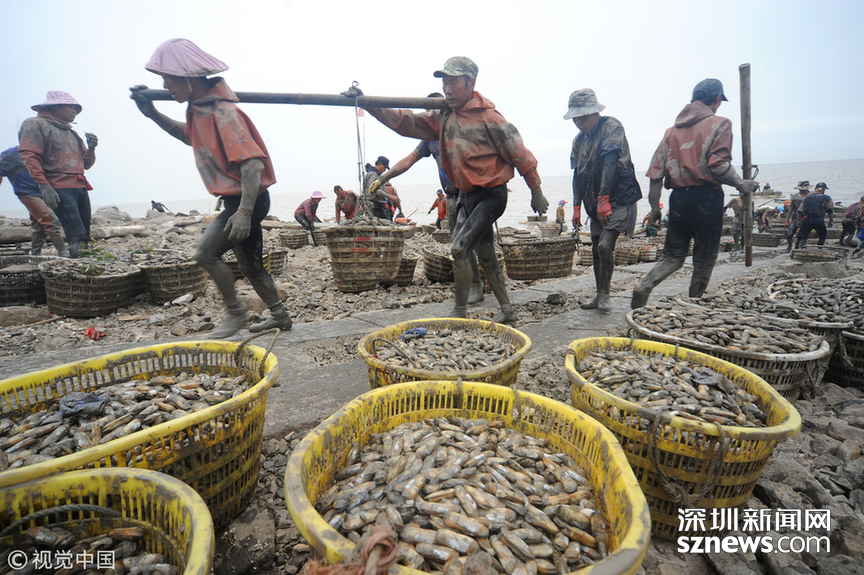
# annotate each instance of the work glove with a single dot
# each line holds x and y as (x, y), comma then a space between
(145, 105)
(577, 217)
(655, 216)
(376, 184)
(604, 209)
(49, 196)
(92, 140)
(239, 226)
(539, 203)
(748, 187)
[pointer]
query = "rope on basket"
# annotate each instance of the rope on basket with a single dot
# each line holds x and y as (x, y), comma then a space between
(677, 493)
(377, 554)
(276, 331)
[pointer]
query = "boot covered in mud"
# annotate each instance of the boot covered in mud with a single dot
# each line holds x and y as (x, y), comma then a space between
(234, 321)
(58, 243)
(279, 319)
(459, 311)
(506, 315)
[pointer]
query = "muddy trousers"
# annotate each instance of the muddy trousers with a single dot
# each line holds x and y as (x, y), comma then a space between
(452, 212)
(476, 212)
(249, 253)
(602, 253)
(694, 213)
(809, 223)
(45, 225)
(848, 232)
(74, 214)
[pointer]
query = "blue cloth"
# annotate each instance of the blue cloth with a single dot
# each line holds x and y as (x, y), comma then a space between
(13, 168)
(432, 148)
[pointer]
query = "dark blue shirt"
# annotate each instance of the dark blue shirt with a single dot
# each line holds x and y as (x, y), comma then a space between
(433, 148)
(817, 205)
(13, 168)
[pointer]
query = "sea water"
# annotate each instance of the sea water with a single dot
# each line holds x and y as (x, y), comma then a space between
(845, 180)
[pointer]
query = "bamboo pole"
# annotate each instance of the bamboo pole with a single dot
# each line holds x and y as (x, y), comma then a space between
(747, 166)
(321, 99)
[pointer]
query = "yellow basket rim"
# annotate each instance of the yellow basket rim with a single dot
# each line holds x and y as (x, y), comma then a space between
(200, 547)
(166, 429)
(426, 374)
(790, 426)
(625, 559)
(824, 348)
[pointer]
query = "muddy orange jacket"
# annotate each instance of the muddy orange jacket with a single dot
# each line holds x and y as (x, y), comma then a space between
(53, 153)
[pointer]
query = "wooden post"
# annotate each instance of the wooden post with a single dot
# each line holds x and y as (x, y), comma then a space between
(746, 166)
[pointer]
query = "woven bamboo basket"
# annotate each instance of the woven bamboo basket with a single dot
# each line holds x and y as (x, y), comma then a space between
(293, 239)
(167, 282)
(788, 373)
(410, 231)
(684, 448)
(634, 254)
(534, 259)
(648, 253)
(278, 258)
(20, 279)
(437, 265)
(407, 264)
(767, 240)
(361, 256)
(441, 236)
(621, 256)
(76, 295)
(548, 230)
(229, 259)
(849, 374)
(313, 465)
(815, 254)
(319, 238)
(586, 258)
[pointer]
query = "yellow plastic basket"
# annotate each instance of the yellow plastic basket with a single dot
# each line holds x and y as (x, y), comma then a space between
(217, 450)
(315, 461)
(382, 373)
(176, 519)
(684, 443)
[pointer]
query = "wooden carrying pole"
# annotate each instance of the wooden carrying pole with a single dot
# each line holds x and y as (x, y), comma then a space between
(321, 100)
(746, 166)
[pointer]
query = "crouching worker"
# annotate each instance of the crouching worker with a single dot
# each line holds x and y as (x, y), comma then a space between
(234, 164)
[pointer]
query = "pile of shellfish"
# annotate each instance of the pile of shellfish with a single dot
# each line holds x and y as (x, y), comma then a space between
(446, 350)
(452, 487)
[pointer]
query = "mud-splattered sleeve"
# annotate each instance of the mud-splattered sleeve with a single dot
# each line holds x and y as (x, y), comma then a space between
(657, 169)
(235, 135)
(31, 146)
(720, 151)
(508, 142)
(406, 123)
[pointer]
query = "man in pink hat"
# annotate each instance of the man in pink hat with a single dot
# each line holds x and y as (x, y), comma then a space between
(56, 157)
(235, 166)
(306, 212)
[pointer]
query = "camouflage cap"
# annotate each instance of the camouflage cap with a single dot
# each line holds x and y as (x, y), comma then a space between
(709, 88)
(803, 185)
(458, 66)
(582, 103)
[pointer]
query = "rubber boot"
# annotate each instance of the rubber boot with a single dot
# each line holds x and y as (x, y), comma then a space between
(459, 311)
(234, 321)
(38, 241)
(58, 243)
(658, 273)
(476, 293)
(506, 315)
(699, 282)
(591, 304)
(604, 302)
(279, 318)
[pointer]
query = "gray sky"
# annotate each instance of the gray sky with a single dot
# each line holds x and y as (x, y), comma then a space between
(642, 58)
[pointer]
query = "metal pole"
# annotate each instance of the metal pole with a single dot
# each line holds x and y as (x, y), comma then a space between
(321, 100)
(747, 166)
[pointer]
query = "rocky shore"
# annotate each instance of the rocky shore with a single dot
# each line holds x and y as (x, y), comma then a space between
(820, 468)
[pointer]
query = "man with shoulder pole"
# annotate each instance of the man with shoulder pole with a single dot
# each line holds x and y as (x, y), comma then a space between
(479, 152)
(694, 159)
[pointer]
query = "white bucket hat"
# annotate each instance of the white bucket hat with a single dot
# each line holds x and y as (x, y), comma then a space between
(57, 98)
(181, 57)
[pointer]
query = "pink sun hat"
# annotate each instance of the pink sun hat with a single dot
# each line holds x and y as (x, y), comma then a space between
(317, 194)
(181, 57)
(57, 98)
